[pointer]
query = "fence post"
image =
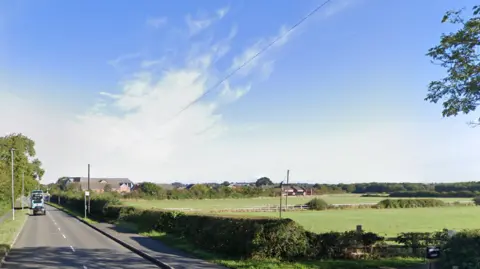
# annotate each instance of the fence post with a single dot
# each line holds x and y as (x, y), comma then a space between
(359, 237)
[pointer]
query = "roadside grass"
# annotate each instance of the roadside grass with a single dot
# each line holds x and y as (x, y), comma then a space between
(185, 246)
(80, 215)
(212, 204)
(9, 229)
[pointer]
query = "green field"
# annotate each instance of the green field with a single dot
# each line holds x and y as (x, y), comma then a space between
(389, 222)
(264, 201)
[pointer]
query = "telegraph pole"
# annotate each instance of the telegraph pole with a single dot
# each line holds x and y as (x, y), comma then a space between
(286, 197)
(89, 189)
(12, 153)
(23, 188)
(281, 194)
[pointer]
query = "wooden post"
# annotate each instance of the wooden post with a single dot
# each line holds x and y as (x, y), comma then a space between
(359, 236)
(286, 197)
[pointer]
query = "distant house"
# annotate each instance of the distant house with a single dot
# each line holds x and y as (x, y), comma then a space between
(293, 190)
(121, 185)
(298, 190)
(288, 191)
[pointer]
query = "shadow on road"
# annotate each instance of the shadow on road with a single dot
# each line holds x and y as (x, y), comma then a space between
(64, 257)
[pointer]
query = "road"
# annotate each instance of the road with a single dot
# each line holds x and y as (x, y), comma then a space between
(58, 240)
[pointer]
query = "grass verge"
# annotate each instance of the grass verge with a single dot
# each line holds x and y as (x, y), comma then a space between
(80, 215)
(9, 230)
(182, 244)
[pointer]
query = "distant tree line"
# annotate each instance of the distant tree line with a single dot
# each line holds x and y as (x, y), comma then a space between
(460, 189)
(148, 190)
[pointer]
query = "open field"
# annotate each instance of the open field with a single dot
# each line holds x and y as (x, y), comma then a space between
(388, 222)
(264, 201)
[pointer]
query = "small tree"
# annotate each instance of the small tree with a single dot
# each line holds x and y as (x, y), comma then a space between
(263, 181)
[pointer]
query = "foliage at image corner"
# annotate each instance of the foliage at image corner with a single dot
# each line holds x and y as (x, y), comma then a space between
(462, 250)
(459, 53)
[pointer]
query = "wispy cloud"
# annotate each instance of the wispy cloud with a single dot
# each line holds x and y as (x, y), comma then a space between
(156, 22)
(262, 62)
(222, 12)
(117, 62)
(338, 6)
(201, 21)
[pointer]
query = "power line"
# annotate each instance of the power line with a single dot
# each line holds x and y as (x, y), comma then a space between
(251, 59)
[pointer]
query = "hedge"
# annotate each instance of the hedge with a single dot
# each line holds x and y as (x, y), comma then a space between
(76, 202)
(409, 203)
(435, 194)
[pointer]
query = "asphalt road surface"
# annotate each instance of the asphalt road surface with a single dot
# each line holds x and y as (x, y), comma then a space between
(58, 240)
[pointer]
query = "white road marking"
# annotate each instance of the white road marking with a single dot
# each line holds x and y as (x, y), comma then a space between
(72, 248)
(85, 267)
(59, 228)
(64, 236)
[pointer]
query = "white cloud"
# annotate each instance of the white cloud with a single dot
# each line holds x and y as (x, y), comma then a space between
(222, 12)
(117, 62)
(201, 21)
(156, 22)
(337, 6)
(260, 60)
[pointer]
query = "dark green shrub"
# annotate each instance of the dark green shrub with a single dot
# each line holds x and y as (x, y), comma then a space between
(280, 239)
(462, 250)
(317, 204)
(476, 200)
(409, 203)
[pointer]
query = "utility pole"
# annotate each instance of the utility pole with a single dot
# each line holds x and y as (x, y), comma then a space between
(23, 188)
(89, 189)
(286, 197)
(12, 153)
(281, 194)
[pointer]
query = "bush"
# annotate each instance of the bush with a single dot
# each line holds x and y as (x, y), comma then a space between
(462, 250)
(476, 200)
(409, 203)
(98, 202)
(317, 204)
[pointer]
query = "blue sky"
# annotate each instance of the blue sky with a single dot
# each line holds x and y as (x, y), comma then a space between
(340, 99)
